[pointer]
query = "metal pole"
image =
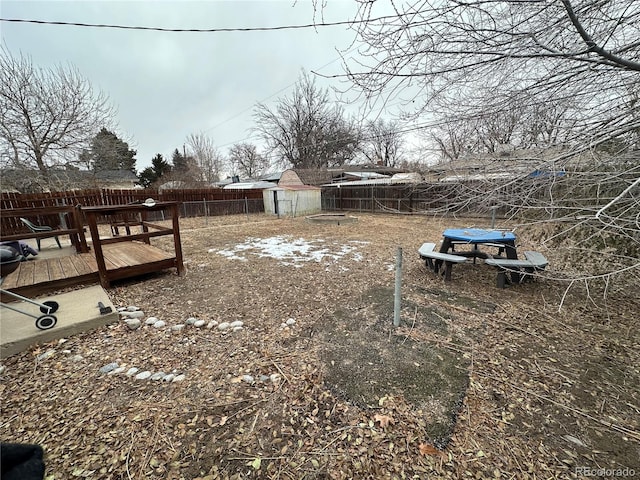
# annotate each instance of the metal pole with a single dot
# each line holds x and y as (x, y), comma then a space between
(206, 214)
(493, 217)
(397, 292)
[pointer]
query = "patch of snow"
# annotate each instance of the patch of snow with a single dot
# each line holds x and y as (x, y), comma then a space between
(293, 251)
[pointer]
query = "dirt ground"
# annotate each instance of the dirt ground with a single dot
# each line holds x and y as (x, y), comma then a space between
(476, 382)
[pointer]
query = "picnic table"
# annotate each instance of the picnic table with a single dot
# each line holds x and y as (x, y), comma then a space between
(503, 240)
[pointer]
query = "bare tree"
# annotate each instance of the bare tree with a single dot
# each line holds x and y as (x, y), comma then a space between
(382, 143)
(46, 115)
(560, 73)
(246, 161)
(489, 57)
(307, 130)
(206, 156)
(524, 125)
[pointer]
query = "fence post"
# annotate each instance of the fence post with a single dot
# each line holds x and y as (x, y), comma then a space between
(246, 207)
(398, 289)
(493, 216)
(206, 213)
(372, 202)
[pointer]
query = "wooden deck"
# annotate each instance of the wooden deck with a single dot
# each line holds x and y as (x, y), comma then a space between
(122, 260)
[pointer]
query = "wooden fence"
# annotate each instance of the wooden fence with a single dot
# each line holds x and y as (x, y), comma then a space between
(418, 198)
(193, 202)
(98, 197)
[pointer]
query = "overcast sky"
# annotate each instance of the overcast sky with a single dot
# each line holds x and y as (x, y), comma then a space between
(168, 85)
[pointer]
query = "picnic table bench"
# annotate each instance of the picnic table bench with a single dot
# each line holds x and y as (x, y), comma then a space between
(428, 254)
(520, 269)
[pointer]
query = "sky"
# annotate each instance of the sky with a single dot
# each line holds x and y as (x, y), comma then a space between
(166, 86)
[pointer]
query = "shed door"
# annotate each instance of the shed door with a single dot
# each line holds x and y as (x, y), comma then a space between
(275, 202)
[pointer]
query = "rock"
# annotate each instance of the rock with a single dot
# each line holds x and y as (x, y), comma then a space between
(132, 308)
(117, 371)
(160, 324)
(237, 323)
(109, 367)
(191, 320)
(151, 320)
(158, 376)
(212, 324)
(237, 329)
(169, 377)
(179, 378)
(132, 371)
(62, 340)
(224, 326)
(121, 309)
(290, 322)
(66, 352)
(143, 375)
(2, 369)
(274, 377)
(177, 328)
(264, 378)
(132, 323)
(199, 323)
(43, 356)
(247, 378)
(137, 314)
(77, 358)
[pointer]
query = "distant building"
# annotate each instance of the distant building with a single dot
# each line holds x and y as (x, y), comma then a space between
(292, 200)
(116, 179)
(33, 181)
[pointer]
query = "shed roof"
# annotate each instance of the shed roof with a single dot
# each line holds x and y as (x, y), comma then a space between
(294, 187)
(248, 185)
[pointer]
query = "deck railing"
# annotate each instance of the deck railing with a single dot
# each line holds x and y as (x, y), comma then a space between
(63, 220)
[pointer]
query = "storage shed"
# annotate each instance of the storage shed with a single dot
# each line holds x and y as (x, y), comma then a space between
(293, 200)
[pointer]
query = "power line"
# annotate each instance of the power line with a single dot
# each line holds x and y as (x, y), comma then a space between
(198, 30)
(274, 94)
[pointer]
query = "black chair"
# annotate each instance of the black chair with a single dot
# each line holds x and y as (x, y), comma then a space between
(39, 229)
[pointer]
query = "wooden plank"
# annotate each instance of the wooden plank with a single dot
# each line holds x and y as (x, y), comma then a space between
(150, 253)
(55, 269)
(130, 254)
(92, 263)
(11, 281)
(114, 261)
(25, 273)
(68, 267)
(81, 265)
(42, 271)
(90, 260)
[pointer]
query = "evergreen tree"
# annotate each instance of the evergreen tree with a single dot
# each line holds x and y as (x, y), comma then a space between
(150, 175)
(179, 161)
(108, 152)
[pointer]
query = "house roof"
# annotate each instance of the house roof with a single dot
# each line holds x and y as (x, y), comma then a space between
(398, 178)
(116, 175)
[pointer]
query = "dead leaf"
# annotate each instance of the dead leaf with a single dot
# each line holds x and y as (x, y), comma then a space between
(428, 449)
(384, 420)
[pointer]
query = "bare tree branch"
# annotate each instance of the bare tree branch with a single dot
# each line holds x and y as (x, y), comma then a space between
(48, 115)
